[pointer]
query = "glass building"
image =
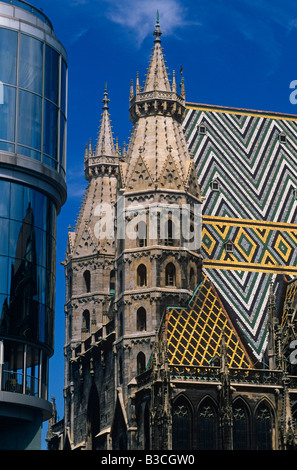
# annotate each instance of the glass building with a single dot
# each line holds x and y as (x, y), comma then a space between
(33, 116)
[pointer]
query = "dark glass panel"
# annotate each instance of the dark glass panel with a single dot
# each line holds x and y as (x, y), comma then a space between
(240, 429)
(4, 231)
(42, 336)
(8, 55)
(51, 79)
(62, 141)
(16, 202)
(207, 427)
(31, 63)
(50, 130)
(28, 205)
(15, 248)
(29, 120)
(7, 112)
(5, 196)
(264, 428)
(181, 423)
(4, 274)
(41, 248)
(40, 204)
(41, 280)
(4, 319)
(63, 86)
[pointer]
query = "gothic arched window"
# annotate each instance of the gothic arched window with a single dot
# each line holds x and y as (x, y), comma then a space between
(181, 426)
(142, 234)
(170, 275)
(207, 427)
(141, 319)
(192, 279)
(87, 279)
(86, 321)
(240, 427)
(141, 275)
(264, 428)
(170, 228)
(140, 363)
(93, 418)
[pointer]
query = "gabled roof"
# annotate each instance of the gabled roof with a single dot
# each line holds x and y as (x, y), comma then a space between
(194, 334)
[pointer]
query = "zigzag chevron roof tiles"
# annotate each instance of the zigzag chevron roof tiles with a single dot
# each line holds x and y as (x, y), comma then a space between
(254, 208)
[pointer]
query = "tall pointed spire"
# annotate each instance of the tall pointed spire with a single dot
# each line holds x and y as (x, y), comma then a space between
(157, 78)
(105, 143)
(105, 153)
(157, 112)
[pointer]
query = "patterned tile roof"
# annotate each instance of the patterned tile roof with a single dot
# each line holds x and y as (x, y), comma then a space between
(246, 165)
(194, 333)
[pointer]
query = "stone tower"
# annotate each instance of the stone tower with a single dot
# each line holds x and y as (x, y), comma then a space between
(135, 250)
(158, 261)
(89, 261)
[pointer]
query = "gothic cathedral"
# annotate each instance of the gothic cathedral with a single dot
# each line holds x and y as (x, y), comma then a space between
(153, 358)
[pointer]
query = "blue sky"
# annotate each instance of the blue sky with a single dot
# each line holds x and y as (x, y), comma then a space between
(239, 53)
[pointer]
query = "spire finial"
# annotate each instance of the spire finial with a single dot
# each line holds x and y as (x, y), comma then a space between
(105, 100)
(157, 31)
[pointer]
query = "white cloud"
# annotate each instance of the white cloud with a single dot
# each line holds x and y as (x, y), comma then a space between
(139, 16)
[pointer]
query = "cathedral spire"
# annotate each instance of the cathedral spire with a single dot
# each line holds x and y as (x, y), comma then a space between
(157, 112)
(105, 154)
(157, 78)
(105, 143)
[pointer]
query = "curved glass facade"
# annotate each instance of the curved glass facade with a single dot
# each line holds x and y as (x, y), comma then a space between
(33, 77)
(33, 122)
(27, 264)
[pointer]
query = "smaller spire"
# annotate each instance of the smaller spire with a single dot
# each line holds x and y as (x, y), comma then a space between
(131, 90)
(105, 144)
(137, 83)
(173, 82)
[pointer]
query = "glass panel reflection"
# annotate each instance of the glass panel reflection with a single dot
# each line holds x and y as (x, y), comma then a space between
(4, 275)
(7, 113)
(62, 141)
(50, 130)
(63, 86)
(51, 78)
(8, 56)
(31, 63)
(29, 129)
(5, 196)
(4, 230)
(27, 264)
(16, 204)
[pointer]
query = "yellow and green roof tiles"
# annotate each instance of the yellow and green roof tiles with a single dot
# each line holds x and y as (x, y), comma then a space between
(194, 334)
